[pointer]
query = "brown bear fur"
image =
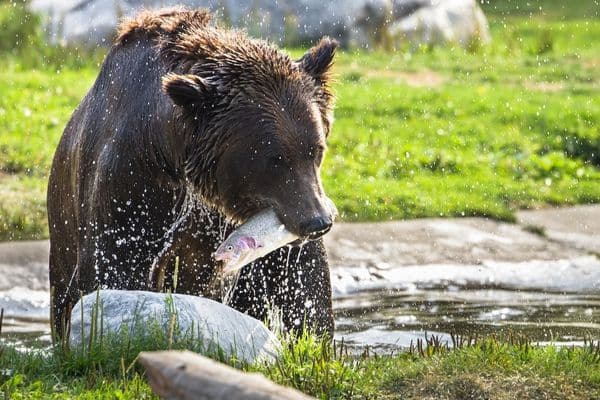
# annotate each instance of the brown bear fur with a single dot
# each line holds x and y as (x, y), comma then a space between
(189, 127)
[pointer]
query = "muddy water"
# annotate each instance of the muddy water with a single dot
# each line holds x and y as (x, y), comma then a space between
(386, 307)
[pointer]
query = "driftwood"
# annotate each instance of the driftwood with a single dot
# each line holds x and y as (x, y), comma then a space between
(179, 375)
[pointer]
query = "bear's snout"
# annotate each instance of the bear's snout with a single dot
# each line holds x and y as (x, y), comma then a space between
(318, 222)
(316, 227)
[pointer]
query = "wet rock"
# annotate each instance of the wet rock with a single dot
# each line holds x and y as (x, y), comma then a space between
(24, 281)
(459, 241)
(215, 324)
(581, 275)
(22, 302)
(577, 226)
(24, 263)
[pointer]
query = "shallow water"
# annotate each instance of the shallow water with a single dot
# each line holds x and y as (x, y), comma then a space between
(392, 319)
(388, 307)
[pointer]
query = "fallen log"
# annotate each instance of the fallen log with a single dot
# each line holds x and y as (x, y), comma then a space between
(183, 375)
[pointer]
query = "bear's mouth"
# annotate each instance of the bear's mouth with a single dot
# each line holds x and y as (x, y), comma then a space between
(245, 208)
(241, 211)
(256, 207)
(301, 241)
(319, 234)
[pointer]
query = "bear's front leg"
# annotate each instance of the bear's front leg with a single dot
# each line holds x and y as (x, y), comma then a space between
(295, 286)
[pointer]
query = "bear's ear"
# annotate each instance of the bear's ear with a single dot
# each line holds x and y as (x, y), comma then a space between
(187, 89)
(318, 60)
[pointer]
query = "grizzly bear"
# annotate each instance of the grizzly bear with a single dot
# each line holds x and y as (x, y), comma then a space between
(188, 130)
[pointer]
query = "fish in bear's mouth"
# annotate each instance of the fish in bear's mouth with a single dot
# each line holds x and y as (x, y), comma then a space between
(255, 238)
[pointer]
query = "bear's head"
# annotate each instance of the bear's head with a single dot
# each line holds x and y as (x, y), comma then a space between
(259, 122)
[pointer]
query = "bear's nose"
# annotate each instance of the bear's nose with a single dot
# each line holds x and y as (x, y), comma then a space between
(316, 227)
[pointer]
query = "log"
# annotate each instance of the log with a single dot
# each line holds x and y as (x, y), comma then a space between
(183, 375)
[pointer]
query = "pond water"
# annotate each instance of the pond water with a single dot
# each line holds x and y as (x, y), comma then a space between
(547, 301)
(392, 319)
(388, 308)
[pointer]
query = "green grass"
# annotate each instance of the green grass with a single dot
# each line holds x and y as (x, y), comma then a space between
(489, 369)
(34, 108)
(555, 9)
(426, 132)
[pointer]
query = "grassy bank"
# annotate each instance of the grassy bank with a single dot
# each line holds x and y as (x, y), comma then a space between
(419, 132)
(488, 369)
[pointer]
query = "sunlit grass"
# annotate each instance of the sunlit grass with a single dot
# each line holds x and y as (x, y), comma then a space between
(487, 369)
(22, 207)
(34, 108)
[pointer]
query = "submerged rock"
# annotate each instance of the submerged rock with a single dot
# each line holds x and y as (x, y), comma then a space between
(214, 324)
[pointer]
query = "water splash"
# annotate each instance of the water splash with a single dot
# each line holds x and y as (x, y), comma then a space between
(228, 285)
(191, 203)
(223, 225)
(287, 260)
(300, 248)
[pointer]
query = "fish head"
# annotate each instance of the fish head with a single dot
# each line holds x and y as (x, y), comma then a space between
(234, 250)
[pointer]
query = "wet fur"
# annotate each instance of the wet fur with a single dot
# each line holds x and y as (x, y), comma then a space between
(134, 181)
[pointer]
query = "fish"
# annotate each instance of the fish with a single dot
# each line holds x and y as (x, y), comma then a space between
(257, 237)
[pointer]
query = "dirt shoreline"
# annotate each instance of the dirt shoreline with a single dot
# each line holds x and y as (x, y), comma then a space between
(549, 234)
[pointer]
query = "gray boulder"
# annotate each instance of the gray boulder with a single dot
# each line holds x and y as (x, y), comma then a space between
(214, 324)
(286, 21)
(440, 22)
(353, 22)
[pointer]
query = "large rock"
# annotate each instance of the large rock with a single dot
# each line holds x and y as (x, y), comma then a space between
(215, 324)
(287, 21)
(440, 22)
(353, 22)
